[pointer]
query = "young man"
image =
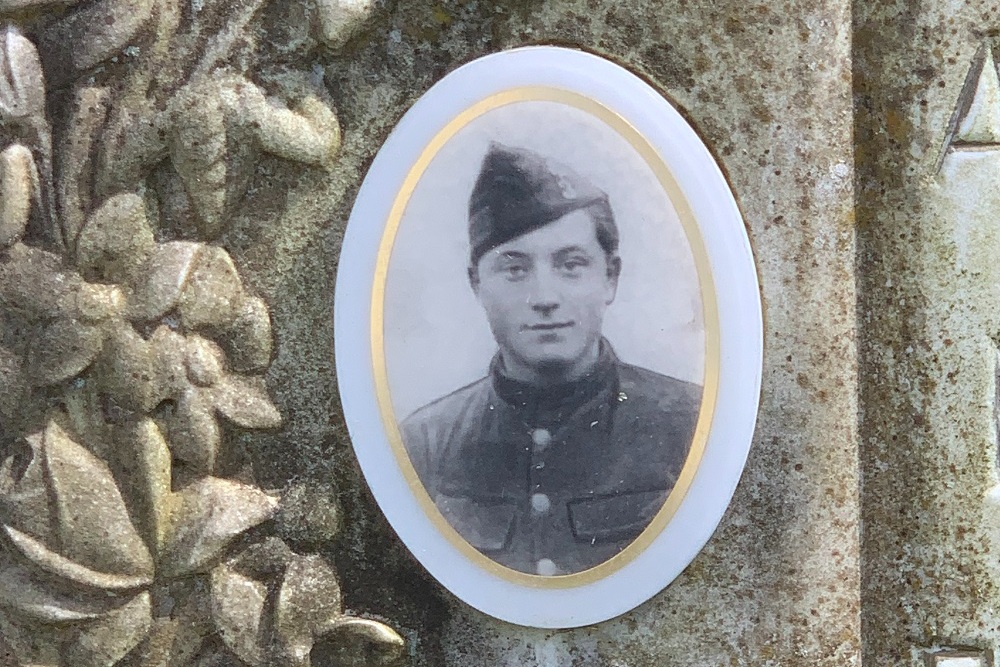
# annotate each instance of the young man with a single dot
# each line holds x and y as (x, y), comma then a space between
(563, 454)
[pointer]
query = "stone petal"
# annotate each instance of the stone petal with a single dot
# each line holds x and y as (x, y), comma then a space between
(208, 515)
(64, 349)
(156, 292)
(237, 608)
(213, 293)
(339, 20)
(129, 376)
(145, 463)
(94, 302)
(26, 596)
(35, 283)
(105, 641)
(193, 434)
(309, 601)
(22, 85)
(116, 240)
(204, 361)
(168, 350)
(244, 401)
(18, 186)
(248, 341)
(91, 522)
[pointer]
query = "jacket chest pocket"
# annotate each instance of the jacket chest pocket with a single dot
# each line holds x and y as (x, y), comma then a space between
(617, 518)
(485, 524)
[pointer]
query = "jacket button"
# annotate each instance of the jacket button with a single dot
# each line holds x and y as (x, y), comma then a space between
(541, 437)
(540, 503)
(546, 567)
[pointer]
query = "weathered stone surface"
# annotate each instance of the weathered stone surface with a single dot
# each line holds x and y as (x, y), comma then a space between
(180, 296)
(927, 162)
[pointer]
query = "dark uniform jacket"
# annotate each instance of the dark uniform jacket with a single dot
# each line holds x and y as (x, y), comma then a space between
(555, 480)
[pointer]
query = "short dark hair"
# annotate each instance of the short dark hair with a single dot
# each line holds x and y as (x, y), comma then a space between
(606, 228)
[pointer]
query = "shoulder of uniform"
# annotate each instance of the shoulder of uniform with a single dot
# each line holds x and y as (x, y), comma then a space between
(433, 428)
(641, 383)
(441, 416)
(450, 405)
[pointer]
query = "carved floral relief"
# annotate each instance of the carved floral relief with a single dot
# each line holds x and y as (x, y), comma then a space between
(128, 339)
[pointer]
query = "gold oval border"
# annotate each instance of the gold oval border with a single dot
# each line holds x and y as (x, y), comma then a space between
(710, 314)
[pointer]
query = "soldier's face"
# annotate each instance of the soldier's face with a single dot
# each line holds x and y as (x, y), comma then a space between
(545, 294)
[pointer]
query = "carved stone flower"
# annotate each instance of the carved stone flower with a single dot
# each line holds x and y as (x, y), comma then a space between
(78, 555)
(121, 356)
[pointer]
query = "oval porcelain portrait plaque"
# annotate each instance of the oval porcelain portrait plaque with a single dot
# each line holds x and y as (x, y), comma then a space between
(548, 337)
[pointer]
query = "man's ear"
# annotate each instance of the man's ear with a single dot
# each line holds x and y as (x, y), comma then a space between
(474, 278)
(614, 270)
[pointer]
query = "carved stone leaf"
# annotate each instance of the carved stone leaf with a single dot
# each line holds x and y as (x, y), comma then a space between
(157, 291)
(116, 240)
(309, 601)
(105, 641)
(245, 402)
(198, 151)
(84, 521)
(19, 185)
(308, 611)
(93, 524)
(309, 133)
(207, 516)
(63, 349)
(76, 185)
(93, 33)
(349, 638)
(238, 609)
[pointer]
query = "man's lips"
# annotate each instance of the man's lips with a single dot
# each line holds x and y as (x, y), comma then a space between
(547, 326)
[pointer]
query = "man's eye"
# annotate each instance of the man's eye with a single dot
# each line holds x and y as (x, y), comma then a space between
(574, 264)
(515, 271)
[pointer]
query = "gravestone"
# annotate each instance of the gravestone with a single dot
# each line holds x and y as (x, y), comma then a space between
(179, 486)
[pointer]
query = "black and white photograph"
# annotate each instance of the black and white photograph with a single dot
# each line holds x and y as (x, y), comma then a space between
(544, 338)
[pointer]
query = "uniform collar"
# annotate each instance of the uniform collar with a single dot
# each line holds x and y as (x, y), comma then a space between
(550, 405)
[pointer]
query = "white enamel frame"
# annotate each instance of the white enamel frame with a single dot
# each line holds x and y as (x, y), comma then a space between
(739, 320)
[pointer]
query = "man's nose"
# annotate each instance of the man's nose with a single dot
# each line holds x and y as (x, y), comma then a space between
(544, 296)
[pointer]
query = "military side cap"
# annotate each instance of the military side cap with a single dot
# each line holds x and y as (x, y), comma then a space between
(518, 191)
